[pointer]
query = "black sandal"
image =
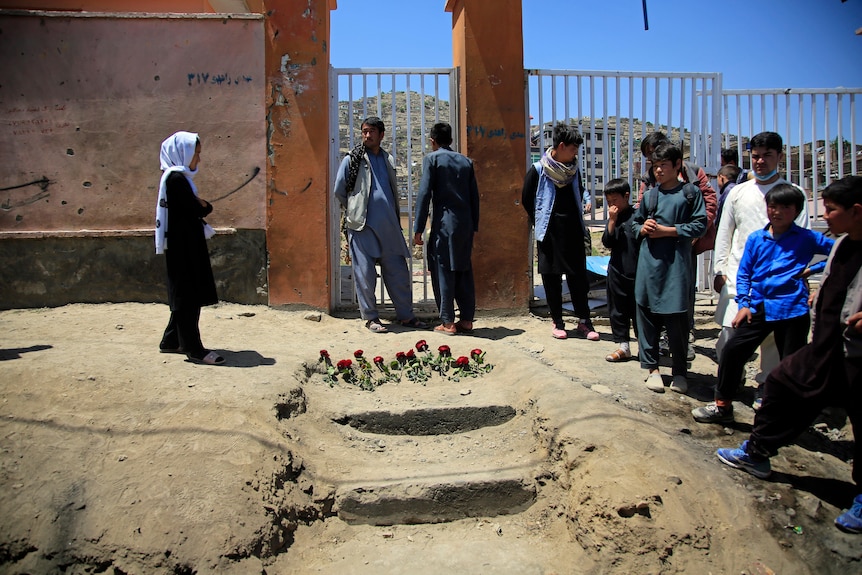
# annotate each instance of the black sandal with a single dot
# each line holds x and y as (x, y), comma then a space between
(415, 323)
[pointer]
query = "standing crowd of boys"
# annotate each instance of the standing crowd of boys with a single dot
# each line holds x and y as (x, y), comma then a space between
(757, 225)
(764, 251)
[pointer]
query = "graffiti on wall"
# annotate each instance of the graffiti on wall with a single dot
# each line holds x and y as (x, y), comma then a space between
(205, 78)
(9, 204)
(36, 125)
(490, 133)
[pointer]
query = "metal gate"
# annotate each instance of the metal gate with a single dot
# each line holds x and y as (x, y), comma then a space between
(409, 101)
(821, 131)
(614, 111)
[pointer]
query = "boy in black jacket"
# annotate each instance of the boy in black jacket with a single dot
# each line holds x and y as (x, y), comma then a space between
(623, 243)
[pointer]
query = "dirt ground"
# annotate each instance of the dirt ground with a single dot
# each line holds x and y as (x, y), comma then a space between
(115, 458)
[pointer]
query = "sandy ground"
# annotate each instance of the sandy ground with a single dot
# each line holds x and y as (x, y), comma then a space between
(115, 458)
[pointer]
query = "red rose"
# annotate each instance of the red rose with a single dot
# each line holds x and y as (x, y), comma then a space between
(378, 360)
(476, 353)
(421, 345)
(401, 356)
(444, 350)
(357, 354)
(324, 353)
(462, 361)
(411, 355)
(344, 364)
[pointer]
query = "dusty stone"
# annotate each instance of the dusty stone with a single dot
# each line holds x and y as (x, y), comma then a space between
(214, 476)
(602, 389)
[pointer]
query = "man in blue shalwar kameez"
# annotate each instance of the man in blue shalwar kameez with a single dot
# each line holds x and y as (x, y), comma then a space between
(366, 187)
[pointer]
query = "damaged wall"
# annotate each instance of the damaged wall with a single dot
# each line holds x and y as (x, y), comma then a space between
(86, 101)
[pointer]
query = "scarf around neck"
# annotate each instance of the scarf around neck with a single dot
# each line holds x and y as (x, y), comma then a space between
(353, 169)
(561, 174)
(175, 156)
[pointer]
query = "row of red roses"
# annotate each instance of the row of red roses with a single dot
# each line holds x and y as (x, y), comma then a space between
(414, 367)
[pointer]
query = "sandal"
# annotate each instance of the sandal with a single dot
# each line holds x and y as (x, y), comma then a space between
(464, 326)
(211, 358)
(375, 326)
(415, 323)
(618, 355)
(446, 330)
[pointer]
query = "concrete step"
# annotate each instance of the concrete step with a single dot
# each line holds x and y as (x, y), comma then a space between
(427, 465)
(439, 500)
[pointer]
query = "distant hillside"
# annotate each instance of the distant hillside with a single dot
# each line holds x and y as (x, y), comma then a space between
(434, 110)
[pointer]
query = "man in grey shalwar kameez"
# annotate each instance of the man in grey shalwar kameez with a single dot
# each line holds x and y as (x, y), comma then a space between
(366, 187)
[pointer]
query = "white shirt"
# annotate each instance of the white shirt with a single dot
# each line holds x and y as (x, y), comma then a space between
(744, 212)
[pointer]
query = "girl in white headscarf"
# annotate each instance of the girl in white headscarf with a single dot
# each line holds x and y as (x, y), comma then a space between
(181, 235)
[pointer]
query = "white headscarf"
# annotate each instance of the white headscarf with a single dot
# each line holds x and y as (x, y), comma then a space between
(175, 156)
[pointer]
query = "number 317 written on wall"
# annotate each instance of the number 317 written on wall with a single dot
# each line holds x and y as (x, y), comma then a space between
(483, 132)
(201, 78)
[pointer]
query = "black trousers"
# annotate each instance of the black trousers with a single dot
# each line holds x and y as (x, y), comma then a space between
(790, 335)
(621, 306)
(792, 400)
(649, 330)
(183, 332)
(450, 288)
(579, 288)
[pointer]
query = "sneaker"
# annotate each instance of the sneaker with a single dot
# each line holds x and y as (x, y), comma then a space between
(586, 329)
(663, 345)
(711, 413)
(679, 384)
(758, 398)
(689, 354)
(851, 520)
(740, 459)
(559, 333)
(654, 382)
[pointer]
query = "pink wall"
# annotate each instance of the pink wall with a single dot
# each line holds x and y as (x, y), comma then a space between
(111, 5)
(86, 101)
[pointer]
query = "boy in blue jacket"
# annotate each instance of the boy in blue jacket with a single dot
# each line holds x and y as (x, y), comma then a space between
(828, 370)
(772, 295)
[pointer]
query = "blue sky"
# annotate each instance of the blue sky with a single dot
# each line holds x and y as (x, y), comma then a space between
(753, 43)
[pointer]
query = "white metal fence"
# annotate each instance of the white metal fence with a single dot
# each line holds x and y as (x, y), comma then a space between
(614, 111)
(409, 101)
(820, 128)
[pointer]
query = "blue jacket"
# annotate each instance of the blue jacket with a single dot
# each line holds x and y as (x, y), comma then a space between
(545, 196)
(770, 269)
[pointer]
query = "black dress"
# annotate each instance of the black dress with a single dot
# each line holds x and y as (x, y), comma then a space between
(190, 276)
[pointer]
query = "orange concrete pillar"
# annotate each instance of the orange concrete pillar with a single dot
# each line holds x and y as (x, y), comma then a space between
(488, 47)
(297, 100)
